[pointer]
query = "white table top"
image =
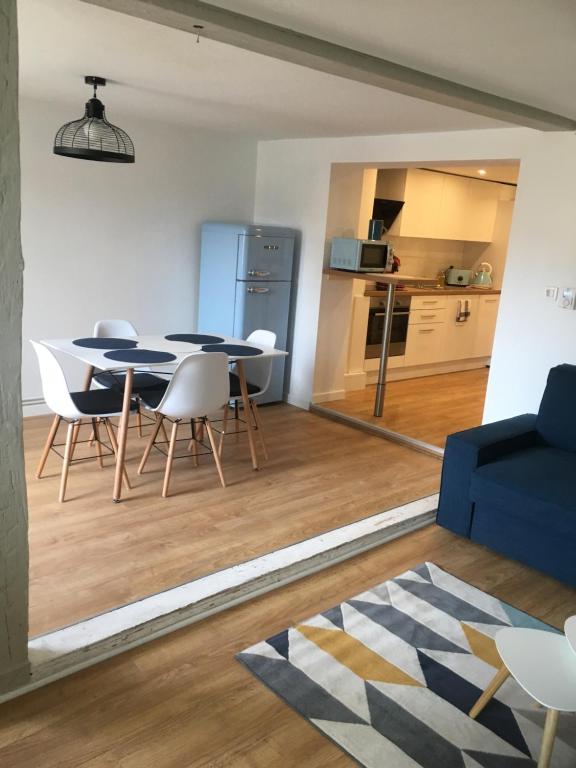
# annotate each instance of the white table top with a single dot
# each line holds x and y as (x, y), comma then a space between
(543, 663)
(158, 343)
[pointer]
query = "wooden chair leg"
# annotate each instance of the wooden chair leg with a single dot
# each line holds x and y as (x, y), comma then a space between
(237, 419)
(49, 442)
(193, 444)
(76, 432)
(550, 727)
(139, 419)
(68, 450)
(258, 423)
(497, 681)
(170, 459)
(215, 452)
(162, 427)
(159, 424)
(223, 433)
(114, 444)
(96, 432)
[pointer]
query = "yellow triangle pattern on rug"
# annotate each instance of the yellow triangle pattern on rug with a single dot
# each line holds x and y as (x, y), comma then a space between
(482, 646)
(356, 656)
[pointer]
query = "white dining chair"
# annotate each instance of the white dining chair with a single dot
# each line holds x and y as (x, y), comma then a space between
(200, 386)
(544, 665)
(143, 378)
(258, 375)
(96, 405)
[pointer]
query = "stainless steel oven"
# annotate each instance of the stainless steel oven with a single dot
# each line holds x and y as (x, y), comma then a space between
(400, 316)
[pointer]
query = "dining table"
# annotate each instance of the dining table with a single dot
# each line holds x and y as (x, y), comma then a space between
(158, 353)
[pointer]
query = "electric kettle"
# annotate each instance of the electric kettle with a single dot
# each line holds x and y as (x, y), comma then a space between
(483, 278)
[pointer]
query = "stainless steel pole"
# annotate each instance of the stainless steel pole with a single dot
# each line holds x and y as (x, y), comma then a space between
(386, 332)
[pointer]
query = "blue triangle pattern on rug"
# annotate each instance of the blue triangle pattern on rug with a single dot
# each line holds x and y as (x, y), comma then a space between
(406, 627)
(299, 690)
(335, 616)
(416, 739)
(451, 687)
(489, 760)
(448, 602)
(280, 643)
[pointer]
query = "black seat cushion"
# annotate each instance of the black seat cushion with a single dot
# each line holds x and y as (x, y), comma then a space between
(142, 381)
(152, 397)
(96, 402)
(235, 386)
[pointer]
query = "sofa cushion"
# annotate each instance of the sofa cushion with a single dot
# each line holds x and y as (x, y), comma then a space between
(537, 485)
(556, 422)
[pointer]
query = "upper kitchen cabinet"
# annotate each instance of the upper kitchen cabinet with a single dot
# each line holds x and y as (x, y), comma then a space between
(439, 205)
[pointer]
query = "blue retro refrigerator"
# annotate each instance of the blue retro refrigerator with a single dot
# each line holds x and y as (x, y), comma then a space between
(246, 284)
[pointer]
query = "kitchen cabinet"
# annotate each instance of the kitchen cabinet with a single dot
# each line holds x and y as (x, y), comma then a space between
(443, 206)
(487, 314)
(435, 335)
(460, 337)
(424, 344)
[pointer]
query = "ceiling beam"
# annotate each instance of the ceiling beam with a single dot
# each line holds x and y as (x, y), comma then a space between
(288, 45)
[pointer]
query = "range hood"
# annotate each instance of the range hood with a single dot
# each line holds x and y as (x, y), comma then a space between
(386, 210)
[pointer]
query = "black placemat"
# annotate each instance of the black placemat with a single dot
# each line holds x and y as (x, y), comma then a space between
(93, 342)
(194, 338)
(140, 356)
(234, 350)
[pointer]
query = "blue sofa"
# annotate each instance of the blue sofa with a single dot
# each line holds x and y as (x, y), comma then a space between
(511, 485)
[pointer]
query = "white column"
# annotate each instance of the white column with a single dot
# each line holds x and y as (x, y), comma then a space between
(13, 513)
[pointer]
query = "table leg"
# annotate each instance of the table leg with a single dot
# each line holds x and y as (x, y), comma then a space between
(123, 434)
(495, 684)
(386, 332)
(247, 411)
(88, 377)
(550, 727)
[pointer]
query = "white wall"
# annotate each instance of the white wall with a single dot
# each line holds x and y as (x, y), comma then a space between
(109, 240)
(532, 334)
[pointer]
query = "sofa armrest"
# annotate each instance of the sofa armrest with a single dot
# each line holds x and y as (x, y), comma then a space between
(465, 451)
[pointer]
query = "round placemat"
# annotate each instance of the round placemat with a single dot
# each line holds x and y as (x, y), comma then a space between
(234, 350)
(194, 338)
(105, 343)
(140, 356)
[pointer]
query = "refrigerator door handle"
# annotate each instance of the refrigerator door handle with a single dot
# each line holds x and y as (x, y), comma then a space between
(258, 290)
(258, 273)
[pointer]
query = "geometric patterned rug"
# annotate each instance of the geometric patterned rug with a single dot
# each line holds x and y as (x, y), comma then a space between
(390, 675)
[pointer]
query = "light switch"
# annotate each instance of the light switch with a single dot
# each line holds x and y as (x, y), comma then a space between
(551, 292)
(567, 298)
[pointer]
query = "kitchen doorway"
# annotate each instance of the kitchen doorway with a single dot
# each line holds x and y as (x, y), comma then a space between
(450, 241)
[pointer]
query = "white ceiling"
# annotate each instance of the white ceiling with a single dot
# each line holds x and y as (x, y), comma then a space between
(163, 73)
(493, 171)
(520, 49)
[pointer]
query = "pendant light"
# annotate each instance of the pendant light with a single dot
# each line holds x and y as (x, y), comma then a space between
(93, 137)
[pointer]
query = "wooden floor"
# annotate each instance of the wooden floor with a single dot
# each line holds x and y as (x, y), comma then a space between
(428, 408)
(184, 702)
(89, 555)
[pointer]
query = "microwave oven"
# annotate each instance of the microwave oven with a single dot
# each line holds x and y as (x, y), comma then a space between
(361, 255)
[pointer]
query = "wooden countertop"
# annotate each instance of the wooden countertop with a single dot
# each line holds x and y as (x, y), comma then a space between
(380, 277)
(456, 291)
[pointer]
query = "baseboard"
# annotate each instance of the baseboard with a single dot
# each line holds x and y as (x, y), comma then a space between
(434, 369)
(61, 653)
(354, 381)
(34, 406)
(326, 397)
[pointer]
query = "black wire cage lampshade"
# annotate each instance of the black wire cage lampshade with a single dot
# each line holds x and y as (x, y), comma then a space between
(92, 137)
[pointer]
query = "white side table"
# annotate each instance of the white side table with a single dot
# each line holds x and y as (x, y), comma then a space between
(544, 664)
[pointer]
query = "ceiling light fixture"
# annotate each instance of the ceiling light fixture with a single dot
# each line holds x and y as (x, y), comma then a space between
(482, 172)
(92, 137)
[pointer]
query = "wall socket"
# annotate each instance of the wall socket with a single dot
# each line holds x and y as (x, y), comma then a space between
(551, 292)
(567, 298)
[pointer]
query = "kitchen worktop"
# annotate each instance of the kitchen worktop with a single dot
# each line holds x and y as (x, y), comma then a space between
(447, 291)
(393, 278)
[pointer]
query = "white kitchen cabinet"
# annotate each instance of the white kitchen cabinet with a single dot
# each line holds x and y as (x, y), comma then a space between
(487, 314)
(424, 344)
(444, 206)
(460, 337)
